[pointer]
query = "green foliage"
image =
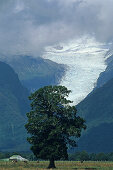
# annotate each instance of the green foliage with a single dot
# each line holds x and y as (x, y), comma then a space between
(52, 123)
(102, 156)
(85, 156)
(79, 156)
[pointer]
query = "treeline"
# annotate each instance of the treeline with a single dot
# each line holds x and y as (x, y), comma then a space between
(84, 156)
(78, 156)
(28, 155)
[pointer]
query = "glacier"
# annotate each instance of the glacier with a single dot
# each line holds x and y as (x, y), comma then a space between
(85, 60)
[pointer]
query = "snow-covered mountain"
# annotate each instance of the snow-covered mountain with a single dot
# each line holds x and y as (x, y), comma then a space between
(85, 60)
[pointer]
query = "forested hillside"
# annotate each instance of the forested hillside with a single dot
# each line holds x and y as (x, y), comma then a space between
(97, 109)
(13, 107)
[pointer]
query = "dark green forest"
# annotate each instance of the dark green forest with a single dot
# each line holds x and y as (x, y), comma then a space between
(13, 107)
(97, 110)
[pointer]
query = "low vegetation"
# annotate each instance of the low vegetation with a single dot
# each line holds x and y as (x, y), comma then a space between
(69, 165)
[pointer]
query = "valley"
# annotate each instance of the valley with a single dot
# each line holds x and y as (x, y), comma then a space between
(85, 60)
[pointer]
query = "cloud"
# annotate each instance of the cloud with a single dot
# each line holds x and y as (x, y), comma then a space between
(29, 26)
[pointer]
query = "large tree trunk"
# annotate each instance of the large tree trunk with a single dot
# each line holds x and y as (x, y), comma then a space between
(51, 163)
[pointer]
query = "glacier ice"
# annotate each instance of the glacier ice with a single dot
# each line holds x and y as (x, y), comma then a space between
(85, 60)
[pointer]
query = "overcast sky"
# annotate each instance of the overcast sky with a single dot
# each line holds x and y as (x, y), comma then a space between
(27, 26)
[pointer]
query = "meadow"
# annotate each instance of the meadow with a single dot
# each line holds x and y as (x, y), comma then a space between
(60, 165)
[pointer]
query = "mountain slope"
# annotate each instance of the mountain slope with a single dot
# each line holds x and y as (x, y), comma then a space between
(85, 60)
(98, 139)
(13, 107)
(107, 74)
(35, 72)
(97, 110)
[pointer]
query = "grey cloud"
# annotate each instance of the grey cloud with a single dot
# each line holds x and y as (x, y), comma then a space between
(28, 26)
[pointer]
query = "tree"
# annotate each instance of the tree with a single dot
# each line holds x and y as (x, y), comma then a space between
(52, 123)
(79, 156)
(102, 157)
(83, 156)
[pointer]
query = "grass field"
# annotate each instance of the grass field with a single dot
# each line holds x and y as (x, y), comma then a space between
(60, 165)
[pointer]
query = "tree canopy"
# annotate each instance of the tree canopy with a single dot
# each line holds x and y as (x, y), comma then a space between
(52, 123)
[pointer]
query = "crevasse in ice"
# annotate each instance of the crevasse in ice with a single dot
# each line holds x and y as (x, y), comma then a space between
(85, 60)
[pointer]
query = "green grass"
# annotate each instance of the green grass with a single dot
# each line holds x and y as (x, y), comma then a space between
(60, 165)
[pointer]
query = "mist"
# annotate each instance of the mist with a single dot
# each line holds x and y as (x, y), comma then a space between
(27, 27)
